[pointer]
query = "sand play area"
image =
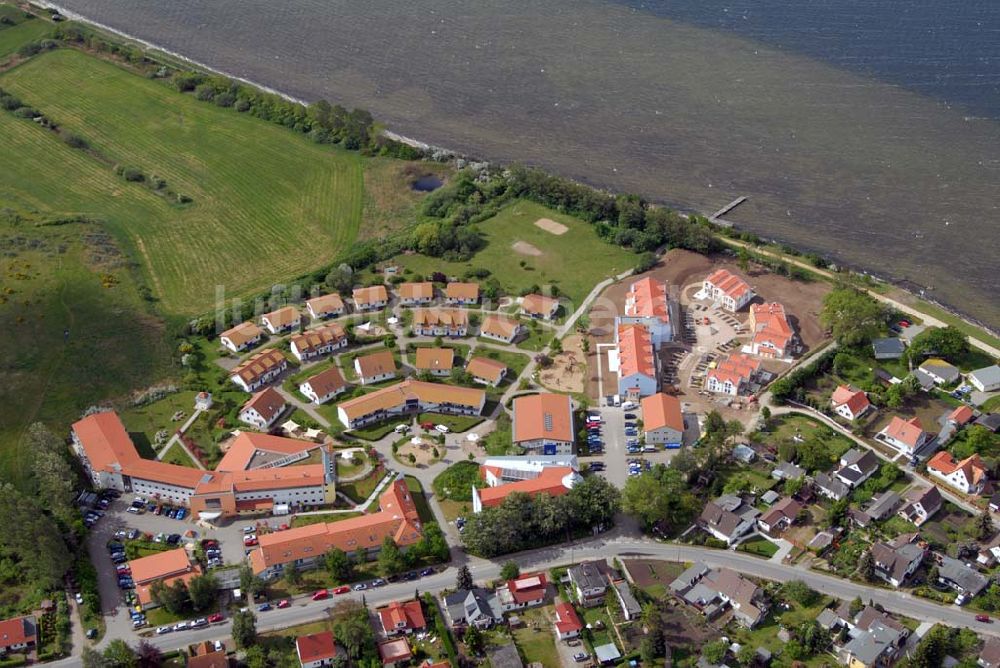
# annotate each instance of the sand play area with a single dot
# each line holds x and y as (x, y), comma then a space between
(551, 226)
(524, 248)
(569, 368)
(423, 451)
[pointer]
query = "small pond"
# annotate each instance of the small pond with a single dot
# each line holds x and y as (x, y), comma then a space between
(427, 183)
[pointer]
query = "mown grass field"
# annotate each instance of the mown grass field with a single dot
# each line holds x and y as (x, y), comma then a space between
(574, 261)
(13, 36)
(267, 204)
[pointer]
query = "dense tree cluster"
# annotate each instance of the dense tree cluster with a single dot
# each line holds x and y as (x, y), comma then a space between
(521, 522)
(853, 317)
(946, 342)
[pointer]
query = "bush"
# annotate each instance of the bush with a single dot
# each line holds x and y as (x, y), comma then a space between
(133, 174)
(204, 92)
(26, 112)
(75, 141)
(225, 99)
(242, 105)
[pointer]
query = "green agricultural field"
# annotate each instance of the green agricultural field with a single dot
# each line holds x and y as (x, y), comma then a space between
(12, 37)
(267, 204)
(574, 261)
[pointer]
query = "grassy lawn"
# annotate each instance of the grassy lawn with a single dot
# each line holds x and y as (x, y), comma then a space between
(574, 261)
(498, 442)
(456, 423)
(453, 509)
(156, 416)
(758, 546)
(178, 455)
(380, 430)
(766, 634)
(359, 490)
(419, 500)
(254, 226)
(12, 37)
(515, 362)
(535, 337)
(536, 639)
(456, 482)
(346, 468)
(305, 520)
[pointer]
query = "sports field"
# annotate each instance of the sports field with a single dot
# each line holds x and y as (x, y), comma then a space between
(267, 204)
(521, 254)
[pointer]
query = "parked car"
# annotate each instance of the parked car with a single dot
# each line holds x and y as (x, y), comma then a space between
(580, 657)
(138, 623)
(320, 595)
(284, 603)
(180, 626)
(361, 586)
(215, 619)
(164, 629)
(426, 572)
(198, 623)
(181, 513)
(342, 589)
(249, 528)
(442, 428)
(264, 607)
(983, 618)
(378, 582)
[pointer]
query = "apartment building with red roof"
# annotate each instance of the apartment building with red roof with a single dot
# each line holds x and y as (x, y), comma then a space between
(167, 567)
(258, 370)
(968, 476)
(407, 398)
(732, 375)
(544, 423)
(397, 518)
(662, 420)
(637, 365)
(729, 290)
(849, 402)
(771, 334)
(647, 303)
(314, 343)
(551, 480)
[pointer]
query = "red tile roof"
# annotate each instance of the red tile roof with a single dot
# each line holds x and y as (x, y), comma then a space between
(370, 295)
(736, 368)
(283, 317)
(543, 416)
(376, 363)
(416, 291)
(160, 565)
(855, 400)
(394, 651)
(635, 352)
(17, 631)
(326, 304)
(661, 410)
(462, 291)
(552, 481)
(432, 317)
(647, 298)
(539, 305)
(770, 325)
(247, 443)
(241, 333)
(499, 326)
(268, 403)
(972, 467)
(325, 382)
(961, 415)
(258, 364)
(567, 621)
(434, 359)
(410, 614)
(528, 587)
(905, 431)
(486, 368)
(730, 284)
(316, 647)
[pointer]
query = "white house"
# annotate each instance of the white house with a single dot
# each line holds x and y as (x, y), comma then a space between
(415, 294)
(637, 375)
(500, 328)
(263, 409)
(647, 304)
(317, 342)
(282, 320)
(907, 436)
(732, 375)
(940, 371)
(259, 370)
(543, 423)
(371, 298)
(849, 403)
(731, 291)
(968, 476)
(241, 337)
(318, 650)
(662, 420)
(986, 379)
(325, 306)
(324, 386)
(375, 367)
(465, 294)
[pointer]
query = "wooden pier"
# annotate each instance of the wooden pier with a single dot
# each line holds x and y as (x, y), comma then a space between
(717, 216)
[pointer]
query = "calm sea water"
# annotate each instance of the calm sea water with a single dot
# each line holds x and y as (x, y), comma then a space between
(866, 130)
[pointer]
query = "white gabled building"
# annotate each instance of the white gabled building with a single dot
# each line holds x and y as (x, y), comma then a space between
(729, 290)
(263, 409)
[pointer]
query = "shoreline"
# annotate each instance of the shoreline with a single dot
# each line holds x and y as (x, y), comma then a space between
(969, 319)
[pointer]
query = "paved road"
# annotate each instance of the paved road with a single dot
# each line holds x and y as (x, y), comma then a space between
(611, 545)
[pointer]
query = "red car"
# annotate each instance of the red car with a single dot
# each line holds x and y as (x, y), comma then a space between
(342, 589)
(215, 619)
(320, 595)
(250, 542)
(983, 618)
(283, 603)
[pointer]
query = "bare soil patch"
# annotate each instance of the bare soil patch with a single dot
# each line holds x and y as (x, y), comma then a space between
(524, 248)
(551, 226)
(568, 372)
(423, 452)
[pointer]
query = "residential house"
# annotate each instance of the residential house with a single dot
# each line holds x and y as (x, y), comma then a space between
(260, 369)
(637, 366)
(551, 481)
(788, 471)
(713, 591)
(210, 659)
(856, 466)
(849, 403)
(407, 398)
(968, 476)
(415, 294)
(989, 655)
(875, 640)
(907, 436)
(282, 320)
(325, 306)
(989, 421)
(630, 607)
(435, 361)
(263, 409)
(589, 582)
(242, 336)
(544, 423)
(324, 386)
(771, 334)
(524, 591)
(888, 349)
(728, 518)
(371, 298)
(780, 516)
(920, 504)
(898, 559)
(318, 649)
(942, 372)
(961, 416)
(567, 622)
(486, 371)
(168, 567)
(500, 328)
(732, 375)
(965, 580)
(647, 304)
(375, 367)
(397, 618)
(18, 634)
(830, 486)
(472, 607)
(885, 504)
(465, 294)
(441, 322)
(729, 290)
(395, 652)
(317, 342)
(305, 546)
(986, 379)
(539, 306)
(662, 420)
